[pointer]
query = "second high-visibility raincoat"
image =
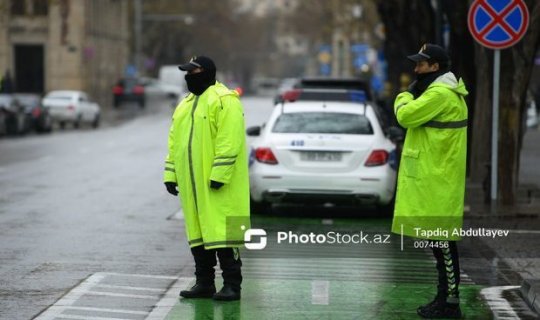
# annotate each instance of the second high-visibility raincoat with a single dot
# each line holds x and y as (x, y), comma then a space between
(431, 181)
(207, 142)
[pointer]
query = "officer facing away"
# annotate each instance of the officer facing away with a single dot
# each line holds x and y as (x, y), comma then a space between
(207, 162)
(431, 181)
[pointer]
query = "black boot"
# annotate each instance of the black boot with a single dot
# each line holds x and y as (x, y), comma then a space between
(439, 298)
(227, 293)
(440, 310)
(205, 261)
(230, 263)
(199, 291)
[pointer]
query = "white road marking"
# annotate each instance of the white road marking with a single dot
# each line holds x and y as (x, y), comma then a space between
(76, 317)
(107, 310)
(320, 292)
(500, 307)
(71, 297)
(139, 275)
(525, 231)
(179, 215)
(94, 281)
(169, 300)
(327, 222)
(121, 295)
(128, 288)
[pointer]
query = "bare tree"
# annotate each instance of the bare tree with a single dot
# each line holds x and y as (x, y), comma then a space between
(408, 25)
(516, 69)
(239, 42)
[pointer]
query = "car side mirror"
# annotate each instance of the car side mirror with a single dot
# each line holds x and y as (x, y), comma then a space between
(396, 134)
(253, 131)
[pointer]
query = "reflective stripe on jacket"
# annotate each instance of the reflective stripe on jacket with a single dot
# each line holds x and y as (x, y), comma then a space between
(207, 142)
(431, 180)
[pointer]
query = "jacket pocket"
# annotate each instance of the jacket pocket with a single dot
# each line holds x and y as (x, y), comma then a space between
(410, 162)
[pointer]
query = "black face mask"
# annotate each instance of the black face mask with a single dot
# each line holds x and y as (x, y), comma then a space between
(425, 79)
(197, 83)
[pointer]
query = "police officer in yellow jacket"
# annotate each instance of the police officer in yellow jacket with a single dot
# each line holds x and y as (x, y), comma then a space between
(208, 163)
(431, 181)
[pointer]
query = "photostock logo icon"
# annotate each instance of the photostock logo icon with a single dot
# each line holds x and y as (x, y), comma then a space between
(249, 234)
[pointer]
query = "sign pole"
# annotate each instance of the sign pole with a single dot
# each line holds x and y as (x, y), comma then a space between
(497, 28)
(495, 124)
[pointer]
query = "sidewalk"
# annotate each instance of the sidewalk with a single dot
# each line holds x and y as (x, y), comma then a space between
(519, 250)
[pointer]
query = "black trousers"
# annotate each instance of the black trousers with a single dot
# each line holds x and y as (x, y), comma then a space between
(448, 270)
(229, 261)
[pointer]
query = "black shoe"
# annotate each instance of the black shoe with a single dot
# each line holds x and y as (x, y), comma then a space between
(427, 306)
(440, 309)
(199, 291)
(227, 294)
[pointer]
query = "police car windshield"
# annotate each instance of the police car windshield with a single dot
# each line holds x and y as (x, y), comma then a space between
(322, 122)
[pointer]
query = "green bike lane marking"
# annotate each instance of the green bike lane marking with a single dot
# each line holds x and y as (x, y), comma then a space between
(323, 282)
(294, 299)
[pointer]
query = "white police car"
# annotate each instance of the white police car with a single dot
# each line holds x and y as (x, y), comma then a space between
(322, 146)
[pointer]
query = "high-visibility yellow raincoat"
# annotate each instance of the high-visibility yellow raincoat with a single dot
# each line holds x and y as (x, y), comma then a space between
(207, 142)
(431, 181)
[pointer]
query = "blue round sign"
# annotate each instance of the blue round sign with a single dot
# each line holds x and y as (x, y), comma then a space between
(498, 24)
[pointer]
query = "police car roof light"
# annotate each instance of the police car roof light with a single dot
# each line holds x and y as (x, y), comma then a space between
(357, 96)
(292, 95)
(343, 95)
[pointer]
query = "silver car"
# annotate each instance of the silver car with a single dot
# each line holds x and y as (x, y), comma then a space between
(69, 106)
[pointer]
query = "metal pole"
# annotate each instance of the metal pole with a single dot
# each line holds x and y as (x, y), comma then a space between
(495, 124)
(438, 21)
(138, 33)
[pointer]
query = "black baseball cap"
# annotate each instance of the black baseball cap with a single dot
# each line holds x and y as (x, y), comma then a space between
(198, 62)
(430, 52)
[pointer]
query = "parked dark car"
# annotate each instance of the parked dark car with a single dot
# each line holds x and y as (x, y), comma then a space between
(129, 89)
(40, 118)
(15, 120)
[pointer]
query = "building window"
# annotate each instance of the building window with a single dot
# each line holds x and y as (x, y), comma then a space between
(41, 7)
(18, 7)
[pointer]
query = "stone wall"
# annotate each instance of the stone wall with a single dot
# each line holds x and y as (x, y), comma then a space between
(86, 43)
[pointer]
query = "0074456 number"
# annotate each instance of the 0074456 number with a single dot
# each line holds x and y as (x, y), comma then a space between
(422, 244)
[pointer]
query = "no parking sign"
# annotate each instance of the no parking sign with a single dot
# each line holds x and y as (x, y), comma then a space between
(497, 24)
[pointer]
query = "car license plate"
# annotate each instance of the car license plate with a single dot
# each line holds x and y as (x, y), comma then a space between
(320, 156)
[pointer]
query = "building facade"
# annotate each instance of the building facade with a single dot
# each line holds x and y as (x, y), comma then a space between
(64, 44)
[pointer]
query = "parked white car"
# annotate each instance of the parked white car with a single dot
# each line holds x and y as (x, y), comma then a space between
(171, 81)
(320, 151)
(69, 106)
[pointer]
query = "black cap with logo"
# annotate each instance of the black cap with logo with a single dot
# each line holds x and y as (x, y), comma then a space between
(430, 52)
(198, 62)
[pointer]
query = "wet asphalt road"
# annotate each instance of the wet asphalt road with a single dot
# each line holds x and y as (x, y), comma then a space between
(76, 202)
(81, 202)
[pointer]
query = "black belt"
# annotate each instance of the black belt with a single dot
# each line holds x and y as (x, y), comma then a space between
(446, 124)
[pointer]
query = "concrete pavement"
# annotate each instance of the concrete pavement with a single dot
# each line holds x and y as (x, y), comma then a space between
(518, 253)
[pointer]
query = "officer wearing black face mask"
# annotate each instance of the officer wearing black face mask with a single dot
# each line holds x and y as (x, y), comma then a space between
(207, 165)
(201, 73)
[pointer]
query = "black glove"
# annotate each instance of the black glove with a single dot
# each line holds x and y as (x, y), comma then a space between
(171, 188)
(412, 88)
(422, 82)
(216, 184)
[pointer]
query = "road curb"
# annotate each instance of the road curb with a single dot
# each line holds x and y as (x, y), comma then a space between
(530, 289)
